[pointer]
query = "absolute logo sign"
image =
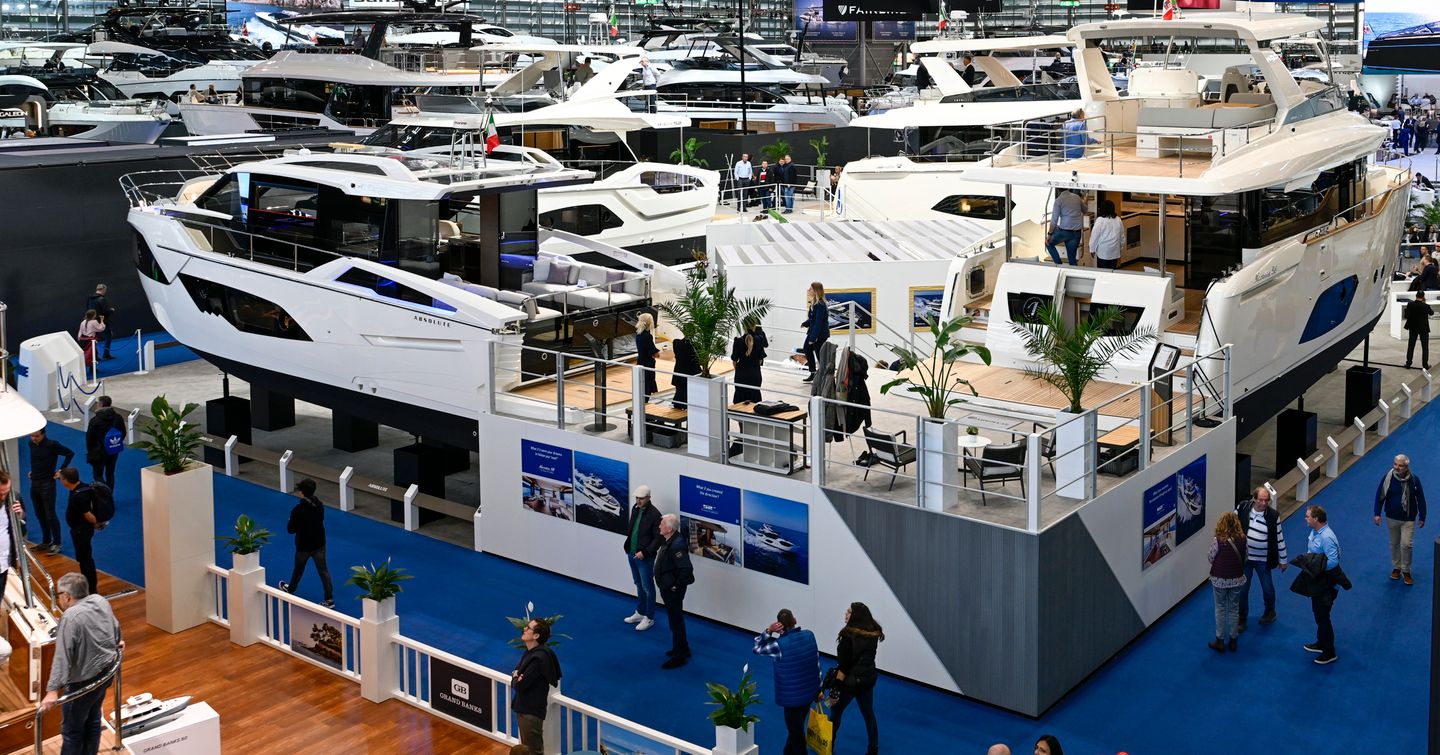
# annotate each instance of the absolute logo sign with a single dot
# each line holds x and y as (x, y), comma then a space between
(462, 694)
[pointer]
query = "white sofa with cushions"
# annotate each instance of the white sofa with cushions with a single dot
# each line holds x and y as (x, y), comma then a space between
(583, 286)
(520, 301)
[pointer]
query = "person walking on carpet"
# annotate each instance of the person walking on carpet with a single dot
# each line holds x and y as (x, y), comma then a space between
(307, 524)
(104, 440)
(1402, 499)
(856, 672)
(797, 673)
(80, 516)
(1320, 575)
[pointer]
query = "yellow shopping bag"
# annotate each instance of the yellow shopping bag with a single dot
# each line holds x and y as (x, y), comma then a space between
(819, 733)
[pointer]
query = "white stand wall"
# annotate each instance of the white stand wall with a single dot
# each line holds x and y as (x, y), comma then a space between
(179, 512)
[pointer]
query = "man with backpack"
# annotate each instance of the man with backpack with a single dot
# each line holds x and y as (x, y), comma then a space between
(104, 440)
(88, 511)
(537, 671)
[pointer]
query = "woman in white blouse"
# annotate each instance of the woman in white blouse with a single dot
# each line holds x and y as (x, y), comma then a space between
(1107, 236)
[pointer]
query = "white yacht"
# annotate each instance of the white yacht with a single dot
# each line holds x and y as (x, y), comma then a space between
(946, 133)
(75, 102)
(147, 73)
(383, 285)
(144, 712)
(769, 538)
(594, 494)
(1256, 220)
(658, 210)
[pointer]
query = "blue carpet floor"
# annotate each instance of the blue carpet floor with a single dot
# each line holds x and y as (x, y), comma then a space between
(167, 352)
(1166, 693)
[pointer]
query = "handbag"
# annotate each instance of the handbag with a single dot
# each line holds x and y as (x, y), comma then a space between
(819, 731)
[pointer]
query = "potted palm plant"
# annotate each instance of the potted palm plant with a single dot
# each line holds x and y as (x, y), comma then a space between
(734, 730)
(246, 543)
(709, 313)
(1070, 358)
(378, 587)
(177, 496)
(933, 378)
(688, 153)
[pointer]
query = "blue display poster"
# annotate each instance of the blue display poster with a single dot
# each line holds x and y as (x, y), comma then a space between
(892, 31)
(1159, 522)
(777, 537)
(710, 516)
(602, 492)
(1190, 500)
(810, 19)
(545, 480)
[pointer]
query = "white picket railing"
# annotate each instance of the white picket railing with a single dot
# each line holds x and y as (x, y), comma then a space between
(584, 729)
(414, 665)
(281, 633)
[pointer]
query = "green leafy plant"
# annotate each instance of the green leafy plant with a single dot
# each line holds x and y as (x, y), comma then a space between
(1074, 356)
(173, 439)
(377, 582)
(776, 150)
(709, 313)
(931, 376)
(775, 215)
(521, 622)
(687, 153)
(822, 148)
(972, 430)
(1431, 213)
(248, 538)
(732, 706)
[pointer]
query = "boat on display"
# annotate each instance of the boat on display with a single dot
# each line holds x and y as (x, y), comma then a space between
(71, 102)
(1413, 50)
(382, 285)
(670, 39)
(144, 712)
(769, 538)
(658, 210)
(1255, 221)
(594, 494)
(947, 132)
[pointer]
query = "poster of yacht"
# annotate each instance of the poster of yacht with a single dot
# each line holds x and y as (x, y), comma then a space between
(892, 31)
(810, 21)
(1402, 37)
(777, 536)
(602, 492)
(1190, 500)
(1159, 522)
(616, 741)
(545, 480)
(710, 519)
(316, 637)
(925, 306)
(838, 301)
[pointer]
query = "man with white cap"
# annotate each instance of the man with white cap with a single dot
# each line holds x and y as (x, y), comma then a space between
(642, 541)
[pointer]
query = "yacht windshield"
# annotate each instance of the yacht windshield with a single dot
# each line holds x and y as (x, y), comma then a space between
(1067, 90)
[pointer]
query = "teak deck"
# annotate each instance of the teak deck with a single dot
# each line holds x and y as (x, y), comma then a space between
(1010, 384)
(1122, 160)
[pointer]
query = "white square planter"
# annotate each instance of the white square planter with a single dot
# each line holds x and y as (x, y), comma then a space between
(179, 513)
(939, 463)
(730, 741)
(705, 417)
(1070, 455)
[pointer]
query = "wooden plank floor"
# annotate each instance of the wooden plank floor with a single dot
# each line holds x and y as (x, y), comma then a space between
(1010, 384)
(1122, 160)
(580, 386)
(268, 701)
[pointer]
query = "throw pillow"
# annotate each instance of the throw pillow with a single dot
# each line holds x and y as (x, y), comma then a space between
(559, 273)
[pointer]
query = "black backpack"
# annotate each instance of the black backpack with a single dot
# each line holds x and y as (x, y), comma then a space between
(102, 502)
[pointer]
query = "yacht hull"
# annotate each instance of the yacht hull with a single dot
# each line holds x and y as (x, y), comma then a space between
(212, 120)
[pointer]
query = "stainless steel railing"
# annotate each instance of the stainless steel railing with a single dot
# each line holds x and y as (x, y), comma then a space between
(111, 673)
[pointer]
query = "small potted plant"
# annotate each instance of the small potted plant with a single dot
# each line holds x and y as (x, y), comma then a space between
(173, 439)
(520, 622)
(246, 543)
(972, 431)
(734, 733)
(378, 587)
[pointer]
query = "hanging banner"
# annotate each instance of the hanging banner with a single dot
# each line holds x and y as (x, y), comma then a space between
(892, 31)
(1402, 36)
(874, 10)
(810, 19)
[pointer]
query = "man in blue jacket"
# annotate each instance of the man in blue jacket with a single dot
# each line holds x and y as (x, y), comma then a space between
(797, 673)
(1403, 500)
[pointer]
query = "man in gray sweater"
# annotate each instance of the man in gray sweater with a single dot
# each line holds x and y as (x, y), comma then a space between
(86, 644)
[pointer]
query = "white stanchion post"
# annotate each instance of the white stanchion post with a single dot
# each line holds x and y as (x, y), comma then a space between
(1302, 488)
(637, 406)
(1332, 464)
(230, 455)
(130, 421)
(139, 354)
(285, 470)
(245, 604)
(1409, 408)
(1384, 427)
(1429, 392)
(816, 428)
(90, 407)
(412, 512)
(379, 673)
(347, 496)
(148, 354)
(1274, 495)
(479, 546)
(1359, 446)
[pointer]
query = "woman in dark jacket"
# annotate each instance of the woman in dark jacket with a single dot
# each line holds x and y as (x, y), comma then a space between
(686, 363)
(1227, 578)
(645, 350)
(817, 325)
(856, 672)
(748, 353)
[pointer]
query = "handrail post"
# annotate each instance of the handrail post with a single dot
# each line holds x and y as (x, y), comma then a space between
(638, 427)
(1033, 461)
(1332, 464)
(1408, 409)
(1092, 466)
(816, 428)
(1190, 400)
(285, 470)
(347, 496)
(490, 386)
(1384, 426)
(130, 421)
(1428, 393)
(1229, 399)
(560, 392)
(1359, 447)
(412, 514)
(1144, 460)
(140, 354)
(230, 457)
(1302, 488)
(119, 735)
(851, 324)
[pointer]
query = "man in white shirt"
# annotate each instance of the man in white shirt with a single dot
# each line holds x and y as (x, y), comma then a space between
(1107, 236)
(744, 174)
(648, 81)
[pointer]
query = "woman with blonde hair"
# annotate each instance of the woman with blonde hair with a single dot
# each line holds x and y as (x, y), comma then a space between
(645, 350)
(748, 353)
(817, 325)
(1227, 578)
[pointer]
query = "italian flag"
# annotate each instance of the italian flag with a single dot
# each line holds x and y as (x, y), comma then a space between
(614, 25)
(1172, 10)
(492, 137)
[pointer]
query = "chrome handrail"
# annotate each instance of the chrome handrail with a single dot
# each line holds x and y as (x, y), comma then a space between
(111, 673)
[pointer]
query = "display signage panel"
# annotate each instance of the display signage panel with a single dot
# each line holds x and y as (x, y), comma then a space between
(462, 694)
